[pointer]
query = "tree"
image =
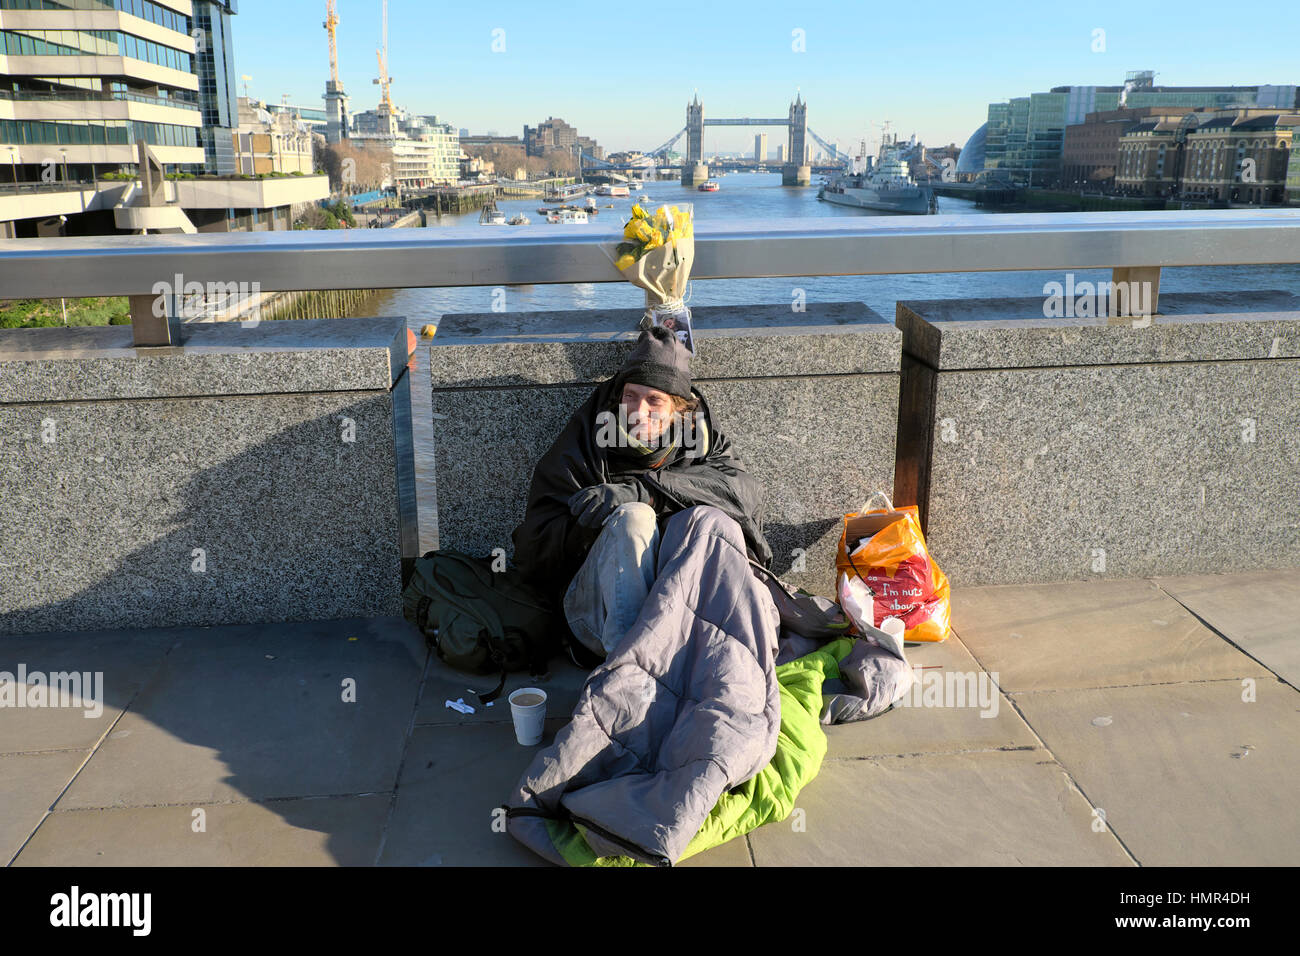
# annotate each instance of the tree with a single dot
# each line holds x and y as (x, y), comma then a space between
(342, 211)
(317, 217)
(353, 168)
(507, 159)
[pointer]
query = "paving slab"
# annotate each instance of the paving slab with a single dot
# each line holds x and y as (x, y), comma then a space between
(29, 785)
(250, 713)
(1188, 774)
(452, 780)
(734, 852)
(998, 808)
(940, 715)
(1090, 634)
(118, 662)
(442, 683)
(343, 831)
(1259, 612)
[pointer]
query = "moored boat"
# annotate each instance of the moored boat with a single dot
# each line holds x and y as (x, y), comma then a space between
(885, 186)
(491, 216)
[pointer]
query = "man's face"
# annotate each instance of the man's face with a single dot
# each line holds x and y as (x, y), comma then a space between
(648, 411)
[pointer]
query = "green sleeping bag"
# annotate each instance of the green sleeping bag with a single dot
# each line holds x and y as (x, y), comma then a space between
(767, 797)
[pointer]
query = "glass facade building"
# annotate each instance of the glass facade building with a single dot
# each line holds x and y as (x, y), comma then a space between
(972, 155)
(218, 87)
(144, 9)
(91, 43)
(1026, 135)
(90, 78)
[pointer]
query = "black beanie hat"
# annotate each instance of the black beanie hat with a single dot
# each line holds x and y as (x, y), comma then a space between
(658, 360)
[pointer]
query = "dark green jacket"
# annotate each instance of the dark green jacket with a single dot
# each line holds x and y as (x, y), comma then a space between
(549, 544)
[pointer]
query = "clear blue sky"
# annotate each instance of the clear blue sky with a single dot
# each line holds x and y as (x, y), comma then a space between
(625, 78)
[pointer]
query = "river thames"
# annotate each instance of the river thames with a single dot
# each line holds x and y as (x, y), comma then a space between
(761, 196)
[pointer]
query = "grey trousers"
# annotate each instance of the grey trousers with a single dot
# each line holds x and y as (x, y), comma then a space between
(605, 596)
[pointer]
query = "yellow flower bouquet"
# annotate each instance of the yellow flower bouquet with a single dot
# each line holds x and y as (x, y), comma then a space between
(656, 255)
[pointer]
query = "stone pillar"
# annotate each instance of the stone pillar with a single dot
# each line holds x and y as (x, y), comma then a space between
(693, 175)
(795, 175)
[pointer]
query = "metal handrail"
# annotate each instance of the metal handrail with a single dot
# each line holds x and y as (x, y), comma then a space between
(58, 186)
(41, 96)
(546, 254)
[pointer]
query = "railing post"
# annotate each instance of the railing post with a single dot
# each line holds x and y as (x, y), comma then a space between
(150, 329)
(1142, 296)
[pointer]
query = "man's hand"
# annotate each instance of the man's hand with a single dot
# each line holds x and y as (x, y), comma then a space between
(594, 504)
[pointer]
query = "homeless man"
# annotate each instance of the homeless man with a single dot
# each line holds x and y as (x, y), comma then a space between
(641, 448)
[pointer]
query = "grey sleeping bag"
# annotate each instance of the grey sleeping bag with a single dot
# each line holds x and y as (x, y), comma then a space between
(688, 706)
(685, 708)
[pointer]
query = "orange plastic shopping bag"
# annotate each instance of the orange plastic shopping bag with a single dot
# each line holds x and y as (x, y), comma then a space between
(886, 549)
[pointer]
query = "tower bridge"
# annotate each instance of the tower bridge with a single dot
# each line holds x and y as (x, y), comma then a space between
(694, 169)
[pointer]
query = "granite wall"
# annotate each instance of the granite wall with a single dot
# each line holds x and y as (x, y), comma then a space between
(252, 474)
(809, 401)
(1056, 449)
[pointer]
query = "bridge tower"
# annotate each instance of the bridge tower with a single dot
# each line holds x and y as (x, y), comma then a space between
(694, 171)
(797, 171)
(694, 131)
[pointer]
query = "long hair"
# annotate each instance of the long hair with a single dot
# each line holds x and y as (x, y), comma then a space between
(687, 406)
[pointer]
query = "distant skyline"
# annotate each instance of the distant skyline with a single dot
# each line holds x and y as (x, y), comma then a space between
(625, 79)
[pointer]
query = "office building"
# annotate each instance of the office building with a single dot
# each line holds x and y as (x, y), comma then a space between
(78, 87)
(488, 139)
(1090, 150)
(1026, 135)
(555, 133)
(551, 134)
(1212, 156)
(425, 151)
(314, 117)
(214, 60)
(268, 142)
(1239, 158)
(97, 94)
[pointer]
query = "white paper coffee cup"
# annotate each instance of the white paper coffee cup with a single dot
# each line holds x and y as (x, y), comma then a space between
(530, 715)
(894, 627)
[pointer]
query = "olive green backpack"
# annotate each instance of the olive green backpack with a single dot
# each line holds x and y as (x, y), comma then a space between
(480, 620)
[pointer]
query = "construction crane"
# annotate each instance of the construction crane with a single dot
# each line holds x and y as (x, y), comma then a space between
(331, 24)
(384, 80)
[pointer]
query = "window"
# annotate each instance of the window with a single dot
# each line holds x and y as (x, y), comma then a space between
(98, 42)
(144, 9)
